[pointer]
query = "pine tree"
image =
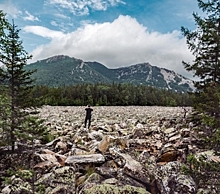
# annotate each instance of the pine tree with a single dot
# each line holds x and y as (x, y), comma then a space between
(19, 123)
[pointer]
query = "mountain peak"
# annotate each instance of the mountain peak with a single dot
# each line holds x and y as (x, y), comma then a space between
(56, 58)
(64, 70)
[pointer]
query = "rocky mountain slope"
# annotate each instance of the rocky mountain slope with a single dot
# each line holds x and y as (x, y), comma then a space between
(63, 70)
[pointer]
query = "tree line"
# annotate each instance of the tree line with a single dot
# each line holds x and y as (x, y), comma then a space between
(115, 94)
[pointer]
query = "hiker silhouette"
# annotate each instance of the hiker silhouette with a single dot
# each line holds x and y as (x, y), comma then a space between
(88, 117)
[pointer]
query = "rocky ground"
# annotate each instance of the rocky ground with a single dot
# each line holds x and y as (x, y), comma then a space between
(126, 150)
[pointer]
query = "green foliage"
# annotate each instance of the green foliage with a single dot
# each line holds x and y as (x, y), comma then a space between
(203, 171)
(16, 85)
(4, 114)
(40, 188)
(90, 169)
(204, 43)
(108, 95)
(59, 71)
(3, 23)
(47, 138)
(25, 175)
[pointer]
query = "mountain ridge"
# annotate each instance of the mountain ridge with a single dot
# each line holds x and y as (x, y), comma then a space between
(62, 70)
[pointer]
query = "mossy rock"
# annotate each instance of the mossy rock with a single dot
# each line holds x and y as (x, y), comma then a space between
(108, 189)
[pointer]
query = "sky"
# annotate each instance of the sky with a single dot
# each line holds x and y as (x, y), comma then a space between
(116, 33)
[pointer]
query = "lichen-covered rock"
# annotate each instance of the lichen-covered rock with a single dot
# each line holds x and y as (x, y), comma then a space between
(64, 189)
(208, 156)
(59, 179)
(18, 185)
(205, 191)
(170, 179)
(109, 188)
(6, 190)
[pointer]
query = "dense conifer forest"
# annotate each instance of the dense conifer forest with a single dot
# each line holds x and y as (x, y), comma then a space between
(109, 95)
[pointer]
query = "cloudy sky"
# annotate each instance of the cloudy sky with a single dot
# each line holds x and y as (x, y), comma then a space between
(116, 33)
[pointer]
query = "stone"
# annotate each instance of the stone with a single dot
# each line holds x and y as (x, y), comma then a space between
(209, 156)
(59, 180)
(53, 142)
(61, 147)
(174, 138)
(45, 166)
(77, 151)
(104, 144)
(167, 153)
(82, 159)
(170, 180)
(109, 188)
(6, 190)
(128, 149)
(112, 181)
(97, 135)
(61, 159)
(46, 157)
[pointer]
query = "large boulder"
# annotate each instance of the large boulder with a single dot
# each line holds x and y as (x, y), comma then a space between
(170, 179)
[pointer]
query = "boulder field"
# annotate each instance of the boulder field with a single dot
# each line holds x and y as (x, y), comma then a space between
(128, 149)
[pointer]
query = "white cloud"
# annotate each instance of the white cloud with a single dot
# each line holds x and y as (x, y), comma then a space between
(62, 16)
(115, 2)
(81, 7)
(121, 43)
(44, 32)
(53, 23)
(8, 7)
(30, 17)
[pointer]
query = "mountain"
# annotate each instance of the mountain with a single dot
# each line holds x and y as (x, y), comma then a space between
(64, 70)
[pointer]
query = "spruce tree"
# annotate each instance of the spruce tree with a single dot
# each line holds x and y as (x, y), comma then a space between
(204, 43)
(3, 99)
(18, 124)
(3, 23)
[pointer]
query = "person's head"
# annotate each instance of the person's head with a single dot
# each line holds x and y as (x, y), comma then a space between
(88, 105)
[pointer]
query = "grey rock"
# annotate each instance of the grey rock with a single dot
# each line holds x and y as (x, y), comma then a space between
(126, 150)
(82, 159)
(170, 180)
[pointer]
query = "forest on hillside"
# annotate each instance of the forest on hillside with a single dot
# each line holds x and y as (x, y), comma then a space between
(109, 95)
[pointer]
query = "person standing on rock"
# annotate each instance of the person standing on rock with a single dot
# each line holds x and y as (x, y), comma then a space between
(88, 116)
